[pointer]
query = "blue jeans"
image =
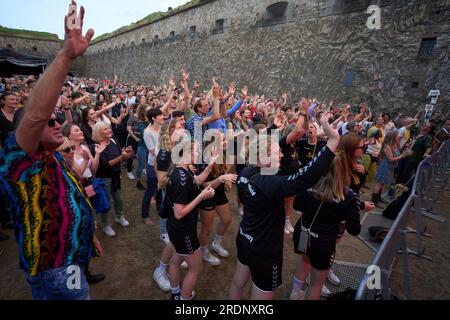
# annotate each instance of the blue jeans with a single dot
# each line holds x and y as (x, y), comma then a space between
(142, 156)
(152, 185)
(59, 284)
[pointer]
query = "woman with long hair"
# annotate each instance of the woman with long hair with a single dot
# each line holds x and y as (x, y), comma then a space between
(350, 151)
(391, 156)
(315, 234)
(261, 234)
(219, 180)
(185, 196)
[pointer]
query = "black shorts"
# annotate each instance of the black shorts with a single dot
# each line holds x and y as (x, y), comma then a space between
(266, 271)
(184, 242)
(220, 198)
(163, 160)
(320, 253)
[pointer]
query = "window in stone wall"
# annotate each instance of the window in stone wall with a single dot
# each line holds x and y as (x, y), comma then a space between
(172, 34)
(192, 31)
(427, 47)
(156, 38)
(143, 40)
(9, 46)
(34, 48)
(219, 26)
(414, 84)
(277, 10)
(349, 77)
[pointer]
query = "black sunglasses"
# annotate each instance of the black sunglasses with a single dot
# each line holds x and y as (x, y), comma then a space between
(51, 122)
(67, 150)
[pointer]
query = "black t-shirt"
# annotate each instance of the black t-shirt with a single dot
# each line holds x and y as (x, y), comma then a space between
(112, 151)
(87, 132)
(183, 190)
(6, 126)
(289, 163)
(326, 225)
(307, 151)
(262, 196)
(119, 129)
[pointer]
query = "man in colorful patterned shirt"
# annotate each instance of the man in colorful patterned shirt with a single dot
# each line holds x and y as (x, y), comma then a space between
(54, 221)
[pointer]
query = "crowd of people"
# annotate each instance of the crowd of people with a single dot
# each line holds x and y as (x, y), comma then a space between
(64, 139)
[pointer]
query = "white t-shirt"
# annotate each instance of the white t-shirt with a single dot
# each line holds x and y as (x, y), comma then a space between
(79, 161)
(151, 139)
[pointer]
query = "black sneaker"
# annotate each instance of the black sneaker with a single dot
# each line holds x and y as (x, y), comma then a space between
(175, 296)
(140, 186)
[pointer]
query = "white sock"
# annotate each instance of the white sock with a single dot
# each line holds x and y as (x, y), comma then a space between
(162, 267)
(296, 285)
(218, 238)
(204, 250)
(175, 290)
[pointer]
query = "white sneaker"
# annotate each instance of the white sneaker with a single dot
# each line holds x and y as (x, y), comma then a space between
(333, 278)
(122, 221)
(131, 176)
(144, 172)
(184, 265)
(217, 247)
(109, 231)
(325, 291)
(297, 296)
(288, 226)
(165, 238)
(212, 260)
(161, 279)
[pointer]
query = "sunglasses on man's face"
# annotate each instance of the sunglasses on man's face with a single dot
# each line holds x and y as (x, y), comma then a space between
(51, 122)
(68, 149)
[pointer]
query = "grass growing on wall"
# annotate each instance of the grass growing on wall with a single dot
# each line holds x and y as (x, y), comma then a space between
(28, 33)
(150, 18)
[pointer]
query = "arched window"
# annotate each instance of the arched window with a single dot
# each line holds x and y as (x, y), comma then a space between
(277, 10)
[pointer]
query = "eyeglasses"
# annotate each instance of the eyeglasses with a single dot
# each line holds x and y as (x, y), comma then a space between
(68, 149)
(362, 148)
(51, 122)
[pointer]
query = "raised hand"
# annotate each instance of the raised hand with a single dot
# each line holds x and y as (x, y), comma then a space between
(332, 134)
(75, 44)
(172, 82)
(232, 89)
(184, 75)
(99, 148)
(196, 84)
(244, 91)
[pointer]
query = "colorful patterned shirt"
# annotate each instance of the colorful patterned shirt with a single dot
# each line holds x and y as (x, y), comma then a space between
(54, 221)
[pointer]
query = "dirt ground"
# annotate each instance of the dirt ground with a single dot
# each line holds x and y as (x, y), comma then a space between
(132, 255)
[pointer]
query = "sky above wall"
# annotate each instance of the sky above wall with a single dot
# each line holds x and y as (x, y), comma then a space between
(101, 15)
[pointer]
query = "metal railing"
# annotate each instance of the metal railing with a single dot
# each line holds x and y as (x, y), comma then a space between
(422, 191)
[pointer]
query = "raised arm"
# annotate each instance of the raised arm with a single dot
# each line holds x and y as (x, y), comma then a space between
(43, 98)
(216, 111)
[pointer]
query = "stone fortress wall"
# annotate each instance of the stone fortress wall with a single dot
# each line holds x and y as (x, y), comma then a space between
(320, 48)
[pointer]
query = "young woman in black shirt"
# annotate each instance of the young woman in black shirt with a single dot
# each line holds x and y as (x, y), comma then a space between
(328, 210)
(261, 234)
(185, 196)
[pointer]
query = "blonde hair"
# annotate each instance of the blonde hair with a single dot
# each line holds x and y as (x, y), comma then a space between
(65, 144)
(165, 135)
(333, 185)
(97, 131)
